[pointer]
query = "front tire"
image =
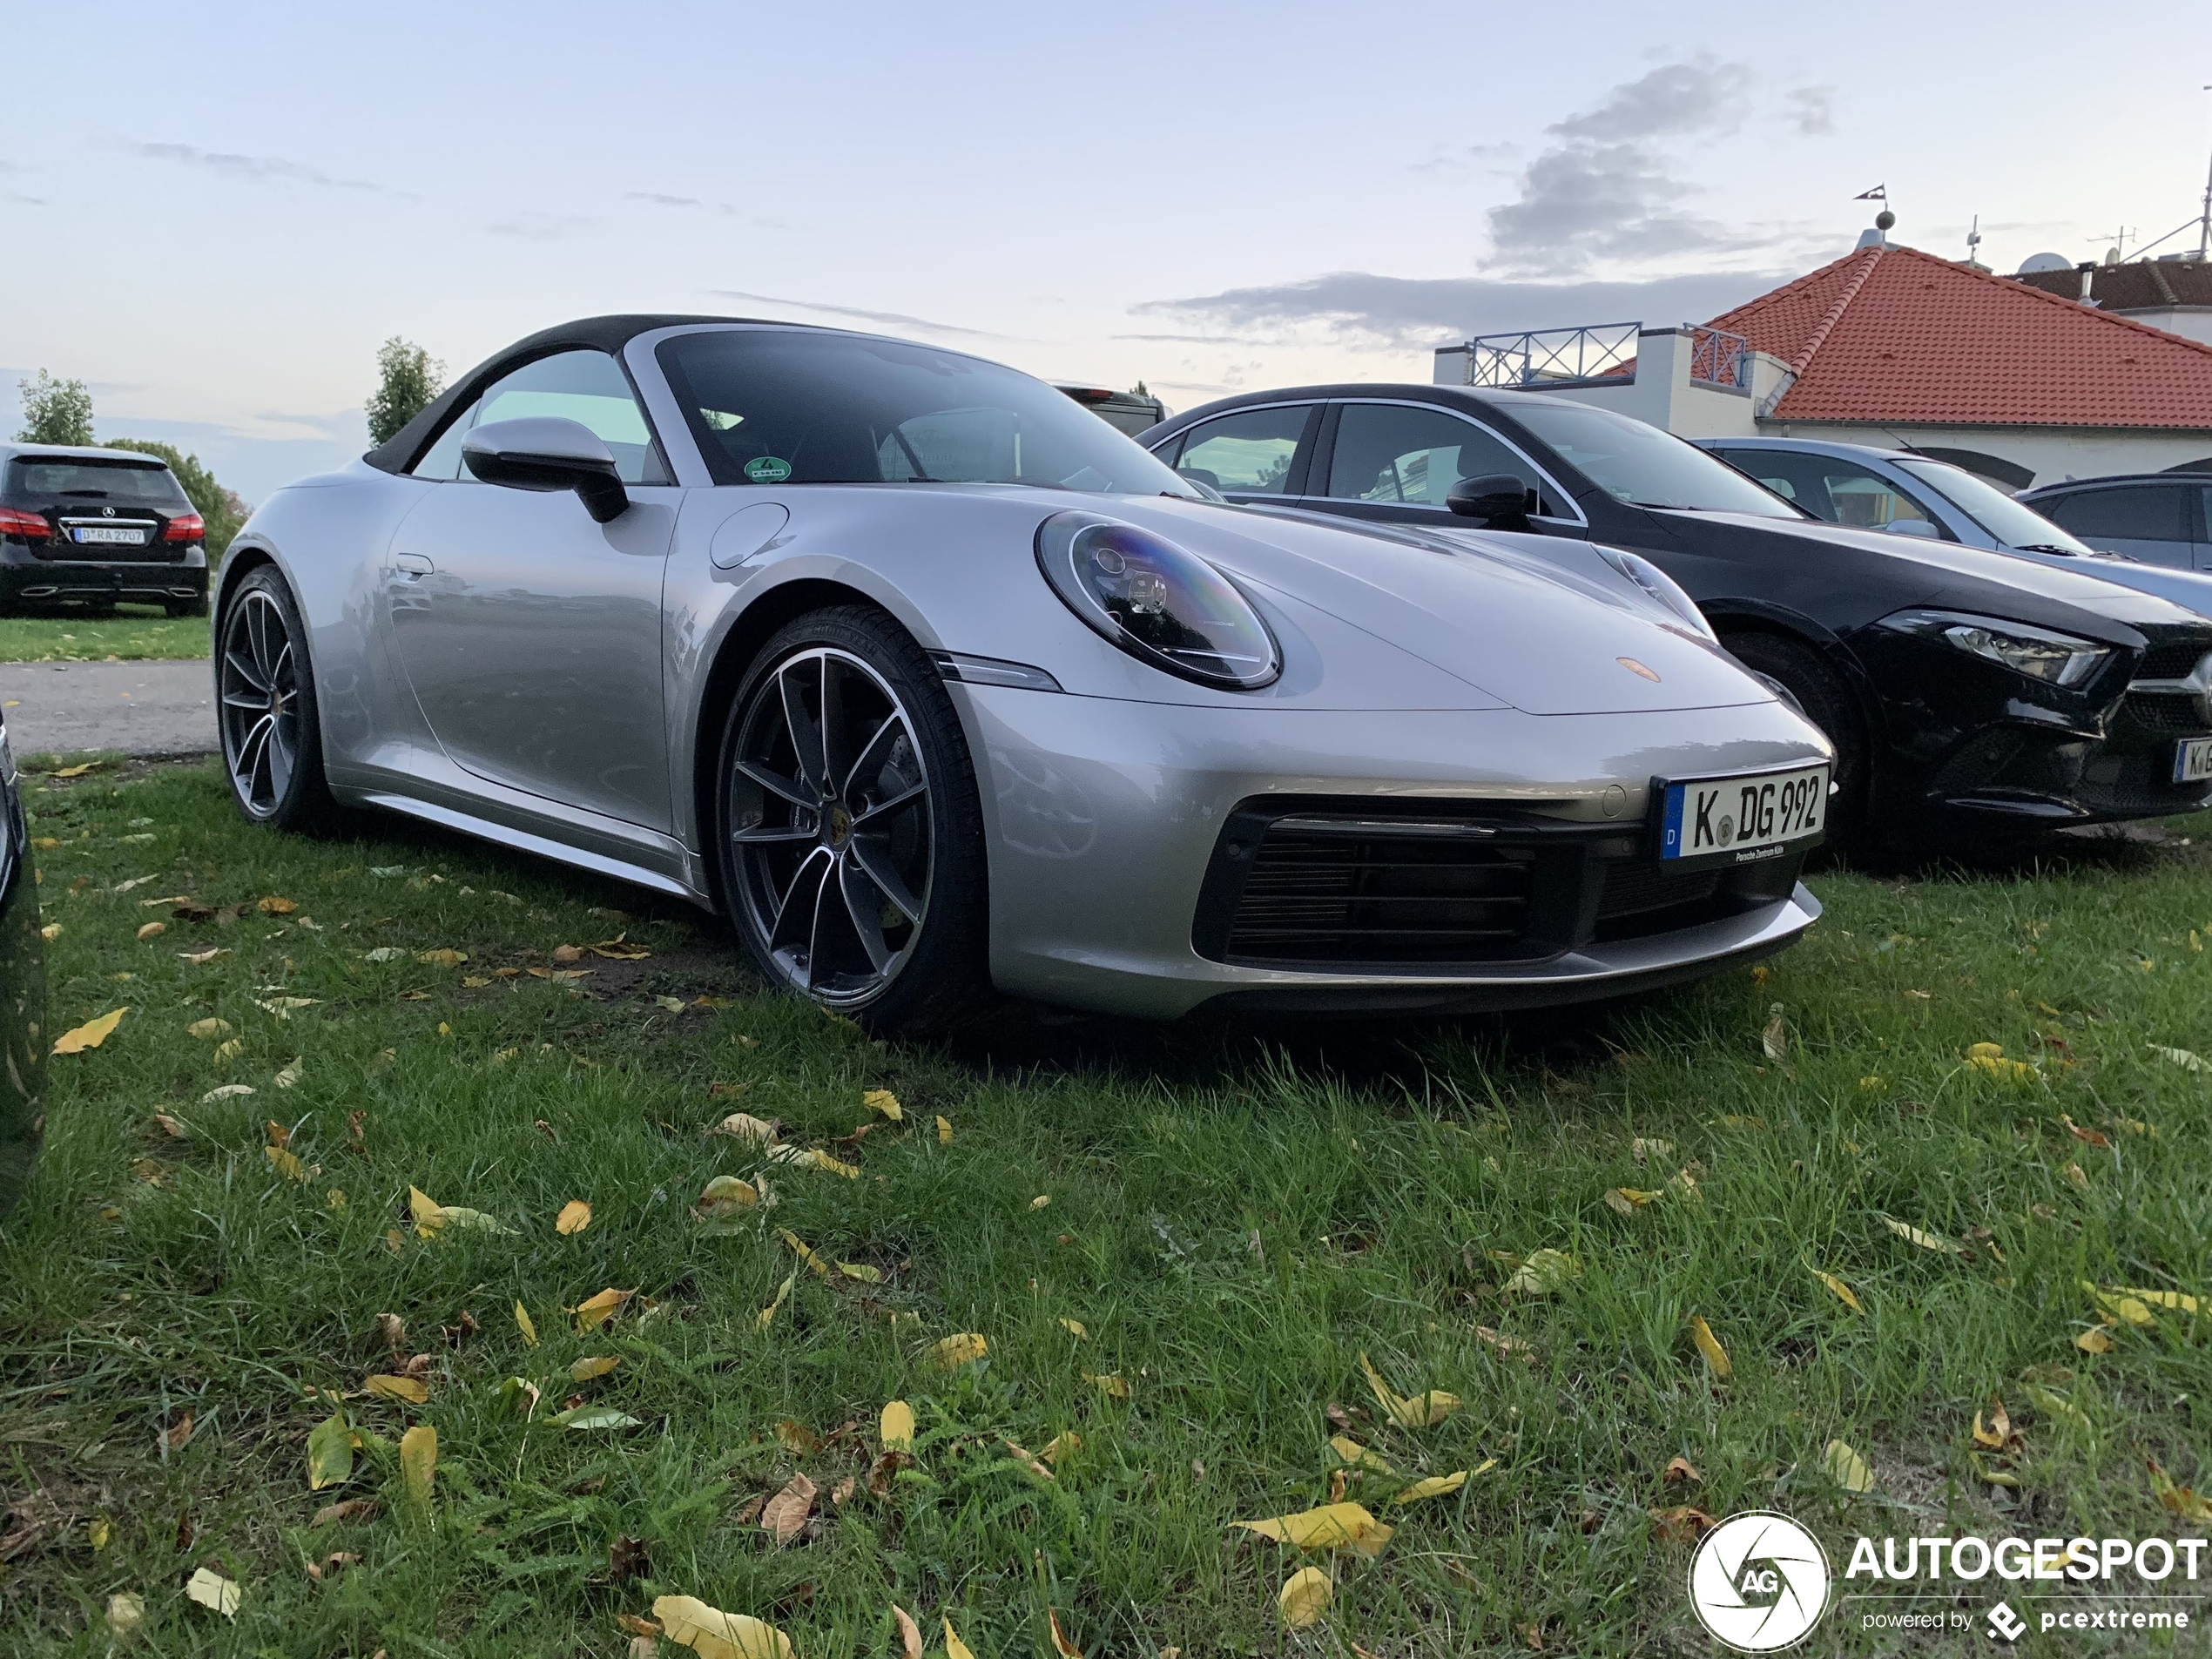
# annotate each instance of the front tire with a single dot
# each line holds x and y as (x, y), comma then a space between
(850, 837)
(1822, 698)
(265, 698)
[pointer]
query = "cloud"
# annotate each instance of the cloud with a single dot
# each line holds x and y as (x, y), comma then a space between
(27, 201)
(1606, 189)
(660, 200)
(256, 169)
(1361, 311)
(890, 318)
(1812, 110)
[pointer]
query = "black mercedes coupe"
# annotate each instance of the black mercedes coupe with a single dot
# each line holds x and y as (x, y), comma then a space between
(1971, 695)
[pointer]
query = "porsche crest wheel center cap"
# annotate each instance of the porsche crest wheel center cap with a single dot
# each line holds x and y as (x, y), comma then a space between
(837, 827)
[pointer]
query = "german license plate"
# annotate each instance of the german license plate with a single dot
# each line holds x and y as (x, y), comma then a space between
(2193, 760)
(1744, 819)
(108, 535)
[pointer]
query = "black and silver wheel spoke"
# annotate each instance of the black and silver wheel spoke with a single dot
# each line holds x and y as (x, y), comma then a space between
(258, 702)
(829, 824)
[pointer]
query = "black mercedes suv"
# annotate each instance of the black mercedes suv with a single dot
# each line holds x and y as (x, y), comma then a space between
(89, 527)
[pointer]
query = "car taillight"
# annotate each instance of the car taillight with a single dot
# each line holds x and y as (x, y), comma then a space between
(15, 521)
(185, 526)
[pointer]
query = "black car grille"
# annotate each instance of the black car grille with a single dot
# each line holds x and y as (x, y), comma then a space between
(1323, 891)
(2172, 660)
(2169, 713)
(1334, 884)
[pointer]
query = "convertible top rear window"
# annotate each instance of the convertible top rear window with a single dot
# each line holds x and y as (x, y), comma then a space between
(772, 406)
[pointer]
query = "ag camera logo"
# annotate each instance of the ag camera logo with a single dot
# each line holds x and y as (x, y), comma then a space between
(1759, 1582)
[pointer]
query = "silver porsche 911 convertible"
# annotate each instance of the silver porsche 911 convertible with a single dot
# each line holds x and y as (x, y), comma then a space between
(937, 685)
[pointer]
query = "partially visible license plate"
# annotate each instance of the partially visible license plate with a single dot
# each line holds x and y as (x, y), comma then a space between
(108, 535)
(2193, 760)
(1741, 819)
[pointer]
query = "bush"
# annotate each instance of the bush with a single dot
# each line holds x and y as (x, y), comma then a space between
(220, 508)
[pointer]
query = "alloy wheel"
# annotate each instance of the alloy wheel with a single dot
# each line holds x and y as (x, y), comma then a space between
(829, 820)
(260, 702)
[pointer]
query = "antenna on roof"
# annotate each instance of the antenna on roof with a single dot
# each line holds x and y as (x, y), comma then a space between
(1879, 236)
(1973, 244)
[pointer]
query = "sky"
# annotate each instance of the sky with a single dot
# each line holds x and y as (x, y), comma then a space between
(1211, 198)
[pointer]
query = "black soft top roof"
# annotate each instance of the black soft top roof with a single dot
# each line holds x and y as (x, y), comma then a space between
(611, 333)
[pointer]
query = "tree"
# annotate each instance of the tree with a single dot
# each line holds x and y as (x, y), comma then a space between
(54, 411)
(1138, 390)
(220, 510)
(410, 378)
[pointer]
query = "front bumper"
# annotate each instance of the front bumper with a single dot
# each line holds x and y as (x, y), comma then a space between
(29, 580)
(1976, 751)
(1107, 821)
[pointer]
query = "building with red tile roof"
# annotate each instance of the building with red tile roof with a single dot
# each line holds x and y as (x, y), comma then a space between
(1897, 348)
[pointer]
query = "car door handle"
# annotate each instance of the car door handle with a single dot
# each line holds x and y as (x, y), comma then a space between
(413, 563)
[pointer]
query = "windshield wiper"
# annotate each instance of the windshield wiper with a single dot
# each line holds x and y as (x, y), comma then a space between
(2049, 547)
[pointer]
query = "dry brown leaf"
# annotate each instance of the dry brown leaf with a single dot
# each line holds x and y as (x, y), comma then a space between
(1774, 1036)
(595, 1366)
(575, 1217)
(745, 1126)
(595, 1311)
(273, 905)
(170, 1127)
(1061, 1646)
(173, 1435)
(410, 1389)
(784, 1513)
(955, 1351)
(349, 1509)
(1336, 1526)
(909, 1632)
(1681, 1468)
(713, 1634)
(1682, 1524)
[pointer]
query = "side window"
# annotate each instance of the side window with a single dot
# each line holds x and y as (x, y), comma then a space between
(441, 460)
(2156, 513)
(1843, 492)
(1395, 452)
(1247, 453)
(586, 387)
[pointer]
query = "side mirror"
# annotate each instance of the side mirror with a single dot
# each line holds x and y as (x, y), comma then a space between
(1499, 498)
(1913, 527)
(544, 452)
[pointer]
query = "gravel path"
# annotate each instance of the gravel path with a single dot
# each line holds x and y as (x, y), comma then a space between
(151, 708)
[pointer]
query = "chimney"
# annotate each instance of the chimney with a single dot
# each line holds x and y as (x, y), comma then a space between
(2088, 276)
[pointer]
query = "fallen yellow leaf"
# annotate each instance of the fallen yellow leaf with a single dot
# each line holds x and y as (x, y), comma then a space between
(1925, 1240)
(1419, 1411)
(2178, 1501)
(956, 1351)
(944, 1132)
(330, 1452)
(1359, 1456)
(1061, 1648)
(2173, 1300)
(2001, 1426)
(91, 1033)
(1846, 1468)
(410, 1389)
(954, 1647)
(861, 1272)
(1435, 1487)
(895, 1427)
(1545, 1272)
(882, 1100)
(725, 1195)
(1304, 1598)
(273, 905)
(1040, 1201)
(575, 1217)
(692, 1623)
(767, 1317)
(1710, 1345)
(153, 930)
(419, 1462)
(745, 1126)
(595, 1311)
(211, 1589)
(1076, 1329)
(909, 1632)
(1627, 1200)
(2093, 1340)
(1335, 1526)
(523, 1323)
(1108, 1383)
(1840, 1290)
(596, 1366)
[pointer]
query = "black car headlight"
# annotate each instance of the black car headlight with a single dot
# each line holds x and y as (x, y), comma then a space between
(2039, 653)
(1662, 588)
(1156, 600)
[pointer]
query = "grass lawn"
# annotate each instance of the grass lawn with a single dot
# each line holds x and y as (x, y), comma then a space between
(1174, 1245)
(132, 632)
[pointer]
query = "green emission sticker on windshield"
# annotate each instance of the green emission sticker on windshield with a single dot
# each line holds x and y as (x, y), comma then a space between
(767, 469)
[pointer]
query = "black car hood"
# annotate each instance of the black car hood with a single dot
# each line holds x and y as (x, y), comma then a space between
(1899, 572)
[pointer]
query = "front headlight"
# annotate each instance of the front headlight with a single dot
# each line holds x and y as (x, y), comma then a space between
(2054, 658)
(1156, 600)
(1663, 587)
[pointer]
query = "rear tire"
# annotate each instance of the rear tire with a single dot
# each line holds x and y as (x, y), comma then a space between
(848, 830)
(1822, 698)
(185, 607)
(265, 708)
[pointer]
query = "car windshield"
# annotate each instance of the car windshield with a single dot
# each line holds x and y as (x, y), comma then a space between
(772, 406)
(1644, 466)
(2010, 522)
(35, 479)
